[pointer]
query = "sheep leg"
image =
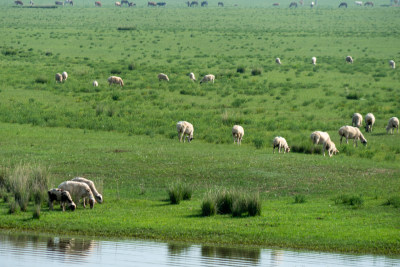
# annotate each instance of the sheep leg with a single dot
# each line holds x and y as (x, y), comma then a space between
(50, 205)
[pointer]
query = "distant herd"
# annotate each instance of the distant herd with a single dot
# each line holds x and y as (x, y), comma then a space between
(193, 3)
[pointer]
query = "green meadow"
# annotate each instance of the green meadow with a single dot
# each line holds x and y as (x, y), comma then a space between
(125, 138)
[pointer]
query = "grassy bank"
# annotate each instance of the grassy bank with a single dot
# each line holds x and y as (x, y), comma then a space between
(136, 172)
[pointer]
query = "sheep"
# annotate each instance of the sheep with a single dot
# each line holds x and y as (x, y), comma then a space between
(185, 128)
(349, 59)
(97, 195)
(59, 78)
(19, 3)
(95, 83)
(278, 61)
(356, 120)
(97, 3)
(351, 132)
(312, 4)
(192, 77)
(163, 76)
(369, 122)
(330, 146)
(117, 4)
(237, 133)
(208, 78)
(63, 196)
(280, 142)
(358, 3)
(115, 80)
(318, 137)
(392, 64)
(78, 190)
(314, 60)
(392, 124)
(343, 4)
(64, 75)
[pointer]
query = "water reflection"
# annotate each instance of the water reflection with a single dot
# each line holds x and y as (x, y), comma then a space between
(37, 250)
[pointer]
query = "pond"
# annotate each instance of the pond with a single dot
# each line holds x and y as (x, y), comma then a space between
(39, 250)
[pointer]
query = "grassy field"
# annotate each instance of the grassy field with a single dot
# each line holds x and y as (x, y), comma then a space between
(125, 138)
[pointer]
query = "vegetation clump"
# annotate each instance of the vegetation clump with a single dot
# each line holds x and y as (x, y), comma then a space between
(179, 191)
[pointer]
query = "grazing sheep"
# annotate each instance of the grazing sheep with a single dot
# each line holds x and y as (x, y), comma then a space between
(185, 128)
(314, 60)
(18, 3)
(59, 3)
(278, 61)
(208, 78)
(64, 75)
(330, 146)
(59, 78)
(115, 80)
(312, 4)
(280, 142)
(221, 4)
(192, 77)
(204, 3)
(131, 4)
(63, 196)
(95, 83)
(358, 3)
(369, 122)
(293, 4)
(351, 132)
(356, 120)
(275, 4)
(318, 137)
(237, 133)
(124, 2)
(392, 64)
(369, 4)
(349, 59)
(31, 3)
(97, 3)
(163, 76)
(117, 4)
(78, 190)
(392, 124)
(343, 4)
(97, 195)
(151, 4)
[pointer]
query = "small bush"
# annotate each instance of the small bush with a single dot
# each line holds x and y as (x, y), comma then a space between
(224, 201)
(353, 96)
(299, 199)
(115, 71)
(41, 80)
(254, 205)
(258, 143)
(208, 207)
(393, 201)
(355, 201)
(239, 205)
(13, 207)
(241, 69)
(132, 28)
(187, 192)
(36, 212)
(255, 72)
(132, 66)
(178, 192)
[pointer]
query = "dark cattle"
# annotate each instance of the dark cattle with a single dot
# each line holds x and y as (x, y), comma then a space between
(369, 4)
(194, 3)
(59, 3)
(204, 3)
(343, 4)
(19, 3)
(220, 4)
(275, 4)
(293, 4)
(124, 2)
(161, 4)
(151, 4)
(131, 4)
(97, 3)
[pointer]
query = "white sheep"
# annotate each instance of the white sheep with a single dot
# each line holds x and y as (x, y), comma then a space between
(278, 61)
(163, 76)
(312, 4)
(392, 124)
(192, 77)
(95, 83)
(356, 120)
(318, 137)
(358, 3)
(349, 59)
(369, 122)
(280, 142)
(115, 80)
(314, 60)
(117, 4)
(63, 196)
(185, 128)
(351, 132)
(392, 64)
(78, 190)
(237, 133)
(208, 78)
(59, 78)
(64, 75)
(97, 195)
(330, 146)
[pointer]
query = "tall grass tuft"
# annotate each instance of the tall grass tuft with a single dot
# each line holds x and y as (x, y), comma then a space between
(179, 191)
(13, 207)
(208, 206)
(255, 72)
(254, 205)
(224, 201)
(36, 212)
(355, 201)
(299, 199)
(239, 205)
(393, 201)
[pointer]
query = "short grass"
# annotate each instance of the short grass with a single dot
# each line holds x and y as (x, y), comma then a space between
(126, 137)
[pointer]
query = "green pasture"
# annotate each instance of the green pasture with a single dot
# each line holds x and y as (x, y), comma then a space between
(125, 138)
